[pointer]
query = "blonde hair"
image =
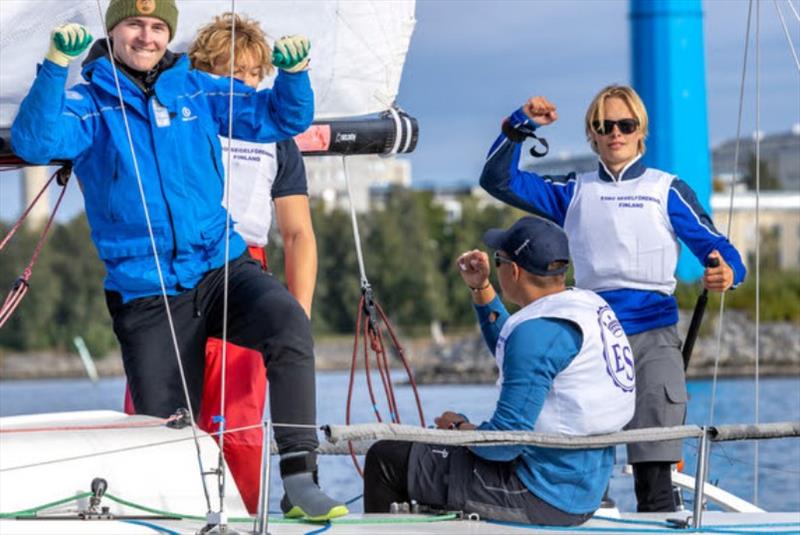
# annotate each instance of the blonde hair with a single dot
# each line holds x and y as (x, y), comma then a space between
(212, 46)
(626, 94)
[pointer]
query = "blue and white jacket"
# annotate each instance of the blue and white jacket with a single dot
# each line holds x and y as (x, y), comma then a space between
(566, 368)
(623, 233)
(175, 137)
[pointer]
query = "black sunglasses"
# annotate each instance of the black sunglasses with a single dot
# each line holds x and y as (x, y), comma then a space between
(626, 126)
(500, 259)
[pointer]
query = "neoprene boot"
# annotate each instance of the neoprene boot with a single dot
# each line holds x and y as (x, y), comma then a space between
(303, 498)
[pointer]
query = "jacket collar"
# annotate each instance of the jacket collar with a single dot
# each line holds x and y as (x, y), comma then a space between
(634, 169)
(98, 71)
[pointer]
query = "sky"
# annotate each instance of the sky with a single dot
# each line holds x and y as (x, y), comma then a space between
(472, 62)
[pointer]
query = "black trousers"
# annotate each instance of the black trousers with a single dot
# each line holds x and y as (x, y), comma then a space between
(653, 484)
(262, 315)
(453, 478)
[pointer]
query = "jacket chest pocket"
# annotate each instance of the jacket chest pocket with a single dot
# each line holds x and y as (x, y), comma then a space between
(213, 142)
(112, 187)
(126, 241)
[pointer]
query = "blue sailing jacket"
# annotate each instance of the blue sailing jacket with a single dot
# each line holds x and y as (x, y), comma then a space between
(552, 196)
(178, 154)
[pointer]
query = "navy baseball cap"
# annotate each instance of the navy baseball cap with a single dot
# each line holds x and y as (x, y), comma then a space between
(532, 243)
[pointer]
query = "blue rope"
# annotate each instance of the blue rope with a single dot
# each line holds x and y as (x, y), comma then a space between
(765, 525)
(351, 500)
(738, 527)
(741, 529)
(150, 525)
(656, 523)
(323, 529)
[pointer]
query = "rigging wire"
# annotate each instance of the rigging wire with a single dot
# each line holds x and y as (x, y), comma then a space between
(369, 317)
(127, 448)
(720, 322)
(758, 244)
(794, 10)
(155, 257)
(356, 235)
(733, 460)
(22, 284)
(786, 32)
(18, 224)
(227, 193)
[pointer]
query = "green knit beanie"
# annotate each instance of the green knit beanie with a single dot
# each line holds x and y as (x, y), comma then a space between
(119, 10)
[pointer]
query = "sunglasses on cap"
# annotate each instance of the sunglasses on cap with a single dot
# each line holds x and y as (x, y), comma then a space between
(626, 126)
(500, 259)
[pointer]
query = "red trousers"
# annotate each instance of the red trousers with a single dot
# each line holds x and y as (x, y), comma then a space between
(245, 394)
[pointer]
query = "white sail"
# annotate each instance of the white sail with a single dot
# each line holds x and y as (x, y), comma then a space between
(358, 46)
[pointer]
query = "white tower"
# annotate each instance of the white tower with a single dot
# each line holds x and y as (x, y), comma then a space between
(33, 180)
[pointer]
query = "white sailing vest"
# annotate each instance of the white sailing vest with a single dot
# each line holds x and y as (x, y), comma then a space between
(620, 235)
(253, 168)
(596, 393)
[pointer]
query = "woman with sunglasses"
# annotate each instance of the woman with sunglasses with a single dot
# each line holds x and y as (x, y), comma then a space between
(623, 221)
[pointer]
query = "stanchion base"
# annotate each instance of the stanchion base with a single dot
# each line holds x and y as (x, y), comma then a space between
(217, 523)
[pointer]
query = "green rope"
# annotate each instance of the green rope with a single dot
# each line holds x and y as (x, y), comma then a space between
(280, 520)
(33, 510)
(407, 519)
(181, 516)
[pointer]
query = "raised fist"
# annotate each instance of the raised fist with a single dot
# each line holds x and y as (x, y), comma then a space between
(291, 53)
(67, 42)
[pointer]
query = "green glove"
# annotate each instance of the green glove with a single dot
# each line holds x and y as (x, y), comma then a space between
(291, 53)
(67, 42)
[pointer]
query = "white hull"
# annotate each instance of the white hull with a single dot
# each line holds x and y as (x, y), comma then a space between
(49, 457)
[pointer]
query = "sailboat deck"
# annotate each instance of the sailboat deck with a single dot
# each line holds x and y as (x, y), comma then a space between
(418, 524)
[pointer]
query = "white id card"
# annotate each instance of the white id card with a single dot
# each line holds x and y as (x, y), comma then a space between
(161, 113)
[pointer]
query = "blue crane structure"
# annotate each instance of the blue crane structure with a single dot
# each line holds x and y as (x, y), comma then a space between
(668, 63)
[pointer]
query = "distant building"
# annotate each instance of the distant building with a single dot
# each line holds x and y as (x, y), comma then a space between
(326, 178)
(781, 152)
(778, 219)
(450, 200)
(33, 180)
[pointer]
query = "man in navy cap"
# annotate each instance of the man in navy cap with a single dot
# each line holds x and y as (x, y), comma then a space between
(565, 368)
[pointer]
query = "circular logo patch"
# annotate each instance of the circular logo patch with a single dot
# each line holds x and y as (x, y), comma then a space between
(616, 350)
(145, 7)
(186, 112)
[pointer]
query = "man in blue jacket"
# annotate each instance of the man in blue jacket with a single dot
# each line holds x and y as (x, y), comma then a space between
(565, 368)
(142, 134)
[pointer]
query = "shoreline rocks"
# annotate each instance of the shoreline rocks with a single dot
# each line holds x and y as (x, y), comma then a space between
(465, 359)
(468, 360)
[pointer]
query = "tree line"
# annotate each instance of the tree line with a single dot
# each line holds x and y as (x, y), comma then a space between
(410, 245)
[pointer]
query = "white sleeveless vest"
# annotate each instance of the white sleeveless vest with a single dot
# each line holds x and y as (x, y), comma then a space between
(596, 393)
(254, 166)
(620, 235)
